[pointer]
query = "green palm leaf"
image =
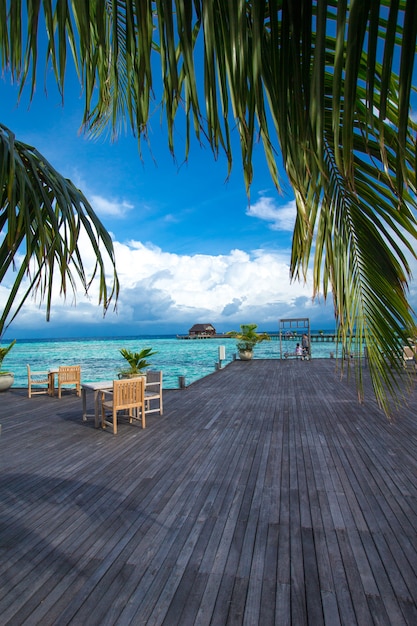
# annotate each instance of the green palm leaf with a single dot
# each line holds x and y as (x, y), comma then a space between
(44, 215)
(325, 83)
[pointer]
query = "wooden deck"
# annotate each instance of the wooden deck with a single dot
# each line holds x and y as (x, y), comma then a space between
(264, 495)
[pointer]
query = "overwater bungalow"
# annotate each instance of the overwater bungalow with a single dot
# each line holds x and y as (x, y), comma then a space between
(202, 331)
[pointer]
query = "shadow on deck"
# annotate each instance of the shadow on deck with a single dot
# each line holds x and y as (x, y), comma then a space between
(264, 495)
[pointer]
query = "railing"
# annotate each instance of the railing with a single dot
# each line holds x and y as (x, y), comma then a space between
(314, 337)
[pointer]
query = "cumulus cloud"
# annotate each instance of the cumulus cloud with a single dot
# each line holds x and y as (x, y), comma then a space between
(169, 291)
(233, 307)
(280, 217)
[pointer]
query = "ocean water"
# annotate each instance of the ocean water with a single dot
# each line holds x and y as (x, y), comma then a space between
(100, 358)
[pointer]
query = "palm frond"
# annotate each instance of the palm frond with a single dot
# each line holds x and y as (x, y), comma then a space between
(327, 83)
(43, 216)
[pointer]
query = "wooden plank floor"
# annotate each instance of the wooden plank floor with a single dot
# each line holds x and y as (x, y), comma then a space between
(264, 495)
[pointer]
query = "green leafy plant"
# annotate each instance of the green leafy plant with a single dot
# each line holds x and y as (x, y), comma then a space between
(137, 362)
(3, 352)
(247, 338)
(338, 110)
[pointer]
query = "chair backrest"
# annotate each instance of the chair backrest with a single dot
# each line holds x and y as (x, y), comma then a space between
(128, 392)
(408, 353)
(37, 379)
(34, 376)
(154, 381)
(69, 373)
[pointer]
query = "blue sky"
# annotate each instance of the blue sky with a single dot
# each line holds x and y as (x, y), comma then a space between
(189, 247)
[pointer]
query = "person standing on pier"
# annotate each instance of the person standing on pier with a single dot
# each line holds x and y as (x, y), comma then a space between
(305, 346)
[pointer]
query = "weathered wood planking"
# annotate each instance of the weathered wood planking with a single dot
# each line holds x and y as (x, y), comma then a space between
(264, 495)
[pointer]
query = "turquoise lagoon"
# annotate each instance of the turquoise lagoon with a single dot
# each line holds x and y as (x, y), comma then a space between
(100, 358)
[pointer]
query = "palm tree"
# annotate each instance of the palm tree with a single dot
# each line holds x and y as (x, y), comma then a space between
(325, 85)
(138, 361)
(246, 339)
(4, 352)
(44, 216)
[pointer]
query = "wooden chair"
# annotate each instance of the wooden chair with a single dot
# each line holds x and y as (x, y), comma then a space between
(153, 391)
(38, 379)
(69, 375)
(128, 394)
(409, 356)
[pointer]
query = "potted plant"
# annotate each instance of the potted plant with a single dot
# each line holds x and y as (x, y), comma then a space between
(6, 378)
(137, 362)
(247, 339)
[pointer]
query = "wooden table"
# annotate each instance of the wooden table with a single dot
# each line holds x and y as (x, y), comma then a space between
(96, 387)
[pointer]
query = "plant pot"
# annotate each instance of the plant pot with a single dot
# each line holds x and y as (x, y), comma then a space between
(245, 355)
(126, 375)
(6, 381)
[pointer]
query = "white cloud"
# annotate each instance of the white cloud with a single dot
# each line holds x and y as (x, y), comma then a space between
(102, 206)
(160, 288)
(281, 217)
(168, 292)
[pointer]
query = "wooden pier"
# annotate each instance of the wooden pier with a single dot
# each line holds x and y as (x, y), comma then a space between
(265, 495)
(314, 337)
